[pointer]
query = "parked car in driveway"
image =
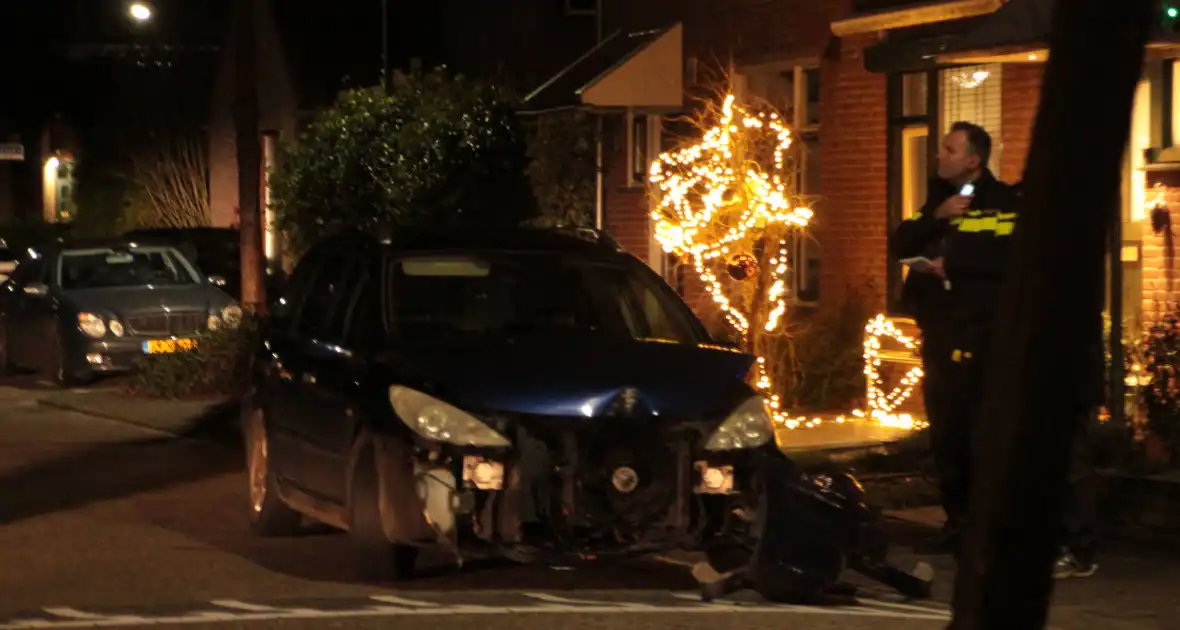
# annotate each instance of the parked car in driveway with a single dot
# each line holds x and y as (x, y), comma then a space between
(528, 394)
(78, 309)
(214, 250)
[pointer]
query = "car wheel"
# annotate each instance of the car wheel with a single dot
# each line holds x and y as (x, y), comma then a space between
(378, 560)
(59, 369)
(5, 366)
(269, 516)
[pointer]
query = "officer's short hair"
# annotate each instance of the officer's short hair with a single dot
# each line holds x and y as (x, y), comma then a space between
(979, 140)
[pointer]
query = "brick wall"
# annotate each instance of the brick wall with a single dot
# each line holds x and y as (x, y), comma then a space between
(1020, 94)
(1159, 284)
(851, 219)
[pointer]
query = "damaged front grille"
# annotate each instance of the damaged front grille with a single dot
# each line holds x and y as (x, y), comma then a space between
(621, 479)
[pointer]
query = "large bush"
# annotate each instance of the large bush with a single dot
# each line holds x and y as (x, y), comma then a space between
(439, 148)
(561, 169)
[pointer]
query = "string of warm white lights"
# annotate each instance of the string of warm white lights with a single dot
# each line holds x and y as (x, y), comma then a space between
(709, 203)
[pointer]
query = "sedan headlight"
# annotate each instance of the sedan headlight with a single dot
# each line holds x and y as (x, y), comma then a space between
(435, 420)
(93, 325)
(749, 426)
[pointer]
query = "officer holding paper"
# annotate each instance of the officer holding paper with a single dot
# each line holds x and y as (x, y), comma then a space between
(956, 249)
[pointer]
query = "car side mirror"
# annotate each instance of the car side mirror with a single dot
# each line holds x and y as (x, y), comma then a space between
(217, 281)
(36, 288)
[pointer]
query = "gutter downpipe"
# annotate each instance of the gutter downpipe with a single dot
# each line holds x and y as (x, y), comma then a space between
(599, 184)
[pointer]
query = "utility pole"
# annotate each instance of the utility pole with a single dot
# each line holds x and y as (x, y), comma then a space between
(249, 156)
(386, 77)
(1037, 398)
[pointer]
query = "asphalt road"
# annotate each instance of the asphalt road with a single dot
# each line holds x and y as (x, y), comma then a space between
(105, 524)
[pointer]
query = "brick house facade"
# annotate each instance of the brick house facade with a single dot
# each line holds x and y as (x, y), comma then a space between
(871, 133)
(878, 131)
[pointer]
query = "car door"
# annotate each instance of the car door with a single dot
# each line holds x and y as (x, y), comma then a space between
(279, 384)
(340, 366)
(27, 303)
(302, 361)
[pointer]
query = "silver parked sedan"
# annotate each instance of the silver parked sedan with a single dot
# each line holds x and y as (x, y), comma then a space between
(78, 309)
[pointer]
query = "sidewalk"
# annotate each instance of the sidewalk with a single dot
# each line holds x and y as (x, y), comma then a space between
(183, 418)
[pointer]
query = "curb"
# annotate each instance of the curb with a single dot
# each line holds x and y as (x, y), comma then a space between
(94, 413)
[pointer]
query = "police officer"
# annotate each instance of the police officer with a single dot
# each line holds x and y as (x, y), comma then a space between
(962, 232)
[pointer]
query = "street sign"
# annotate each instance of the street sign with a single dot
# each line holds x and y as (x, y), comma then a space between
(12, 151)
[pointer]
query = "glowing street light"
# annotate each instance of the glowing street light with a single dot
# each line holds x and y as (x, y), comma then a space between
(140, 12)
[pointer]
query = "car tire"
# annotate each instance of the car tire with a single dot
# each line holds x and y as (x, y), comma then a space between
(378, 560)
(269, 516)
(59, 370)
(5, 366)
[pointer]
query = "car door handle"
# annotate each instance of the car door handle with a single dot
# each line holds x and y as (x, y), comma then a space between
(309, 378)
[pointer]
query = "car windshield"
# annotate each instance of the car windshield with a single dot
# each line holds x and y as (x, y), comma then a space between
(513, 295)
(105, 268)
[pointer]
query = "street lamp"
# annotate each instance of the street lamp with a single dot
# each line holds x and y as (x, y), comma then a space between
(140, 12)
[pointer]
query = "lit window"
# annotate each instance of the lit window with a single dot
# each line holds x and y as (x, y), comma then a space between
(973, 94)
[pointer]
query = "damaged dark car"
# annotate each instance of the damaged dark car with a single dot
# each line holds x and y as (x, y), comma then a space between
(529, 394)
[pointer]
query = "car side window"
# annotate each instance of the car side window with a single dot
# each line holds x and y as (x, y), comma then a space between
(30, 271)
(365, 328)
(648, 316)
(337, 319)
(323, 292)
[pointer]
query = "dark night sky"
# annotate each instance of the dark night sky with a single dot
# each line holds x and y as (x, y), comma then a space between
(327, 41)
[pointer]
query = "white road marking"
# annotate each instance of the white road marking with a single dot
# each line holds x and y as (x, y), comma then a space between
(402, 601)
(239, 611)
(74, 614)
(71, 613)
(570, 601)
(237, 605)
(910, 607)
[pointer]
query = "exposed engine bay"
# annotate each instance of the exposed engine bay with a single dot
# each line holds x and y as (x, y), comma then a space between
(584, 489)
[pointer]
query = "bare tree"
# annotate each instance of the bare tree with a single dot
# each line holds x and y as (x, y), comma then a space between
(725, 203)
(172, 173)
(1051, 314)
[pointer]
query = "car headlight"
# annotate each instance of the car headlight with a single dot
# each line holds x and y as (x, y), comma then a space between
(749, 426)
(435, 420)
(214, 322)
(93, 325)
(116, 327)
(232, 315)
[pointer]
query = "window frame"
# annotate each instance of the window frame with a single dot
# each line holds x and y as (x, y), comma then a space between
(900, 125)
(651, 143)
(802, 242)
(349, 259)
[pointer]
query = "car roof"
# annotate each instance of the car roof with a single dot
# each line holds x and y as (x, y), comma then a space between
(90, 243)
(188, 231)
(582, 243)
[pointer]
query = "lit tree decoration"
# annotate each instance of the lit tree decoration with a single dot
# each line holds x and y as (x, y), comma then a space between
(730, 197)
(726, 204)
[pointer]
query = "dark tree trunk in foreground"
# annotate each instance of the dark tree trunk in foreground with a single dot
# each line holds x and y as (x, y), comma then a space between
(1052, 302)
(249, 156)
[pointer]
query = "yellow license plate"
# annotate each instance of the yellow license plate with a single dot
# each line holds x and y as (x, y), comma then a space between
(165, 346)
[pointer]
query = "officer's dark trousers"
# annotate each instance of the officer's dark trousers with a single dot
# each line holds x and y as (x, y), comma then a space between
(950, 423)
(954, 391)
(1080, 531)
